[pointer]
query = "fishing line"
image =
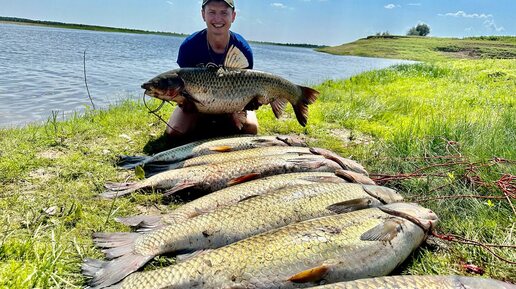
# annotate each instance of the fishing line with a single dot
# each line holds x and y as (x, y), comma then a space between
(154, 111)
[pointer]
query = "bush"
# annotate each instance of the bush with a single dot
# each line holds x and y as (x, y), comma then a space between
(419, 30)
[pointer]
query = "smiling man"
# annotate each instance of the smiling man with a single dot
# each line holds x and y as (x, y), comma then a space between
(208, 48)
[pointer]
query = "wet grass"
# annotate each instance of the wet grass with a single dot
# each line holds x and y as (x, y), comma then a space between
(393, 121)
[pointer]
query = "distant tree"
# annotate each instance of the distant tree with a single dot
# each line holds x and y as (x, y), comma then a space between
(419, 30)
(386, 33)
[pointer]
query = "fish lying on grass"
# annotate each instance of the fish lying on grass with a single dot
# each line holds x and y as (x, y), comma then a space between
(236, 222)
(230, 89)
(359, 244)
(209, 178)
(237, 193)
(211, 146)
(155, 168)
(421, 282)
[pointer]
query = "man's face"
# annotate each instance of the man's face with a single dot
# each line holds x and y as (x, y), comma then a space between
(218, 17)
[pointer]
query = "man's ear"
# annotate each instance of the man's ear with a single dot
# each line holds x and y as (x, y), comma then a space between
(202, 14)
(233, 16)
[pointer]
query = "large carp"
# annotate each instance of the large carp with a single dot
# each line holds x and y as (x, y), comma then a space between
(230, 89)
(359, 244)
(209, 146)
(420, 282)
(239, 192)
(232, 223)
(213, 177)
(155, 168)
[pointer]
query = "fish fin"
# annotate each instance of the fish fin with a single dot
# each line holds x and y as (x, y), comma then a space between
(130, 162)
(386, 231)
(278, 106)
(292, 140)
(235, 58)
(354, 177)
(106, 273)
(308, 96)
(185, 257)
(178, 187)
(152, 169)
(350, 206)
(248, 198)
(140, 221)
(311, 275)
(243, 179)
(119, 189)
(253, 104)
(239, 119)
(346, 164)
(221, 149)
(115, 244)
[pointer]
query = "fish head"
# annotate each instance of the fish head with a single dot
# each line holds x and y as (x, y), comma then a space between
(166, 86)
(423, 217)
(346, 164)
(384, 194)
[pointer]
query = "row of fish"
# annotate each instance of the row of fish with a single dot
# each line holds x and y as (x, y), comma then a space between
(292, 219)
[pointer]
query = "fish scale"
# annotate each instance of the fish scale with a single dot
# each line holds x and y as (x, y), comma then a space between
(274, 259)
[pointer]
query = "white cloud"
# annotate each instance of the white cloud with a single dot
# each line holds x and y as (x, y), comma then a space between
(492, 25)
(389, 6)
(414, 4)
(461, 13)
(278, 5)
(170, 3)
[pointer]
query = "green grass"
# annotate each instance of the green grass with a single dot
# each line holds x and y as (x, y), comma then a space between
(397, 120)
(429, 48)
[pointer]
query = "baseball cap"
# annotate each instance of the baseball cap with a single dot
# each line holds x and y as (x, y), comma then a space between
(230, 3)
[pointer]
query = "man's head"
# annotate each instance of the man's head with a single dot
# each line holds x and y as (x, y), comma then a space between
(218, 15)
(230, 3)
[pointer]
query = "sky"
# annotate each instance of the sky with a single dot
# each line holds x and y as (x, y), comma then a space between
(323, 22)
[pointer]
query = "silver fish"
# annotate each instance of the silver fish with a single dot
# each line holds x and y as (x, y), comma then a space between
(359, 244)
(232, 223)
(210, 146)
(230, 89)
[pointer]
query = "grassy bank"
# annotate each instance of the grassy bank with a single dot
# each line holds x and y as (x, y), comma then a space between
(442, 116)
(429, 48)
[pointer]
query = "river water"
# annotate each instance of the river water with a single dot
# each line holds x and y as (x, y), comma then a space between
(42, 68)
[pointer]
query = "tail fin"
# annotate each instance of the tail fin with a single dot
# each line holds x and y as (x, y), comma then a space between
(155, 168)
(130, 162)
(107, 273)
(308, 96)
(115, 244)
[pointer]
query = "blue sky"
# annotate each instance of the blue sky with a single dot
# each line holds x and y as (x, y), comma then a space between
(328, 22)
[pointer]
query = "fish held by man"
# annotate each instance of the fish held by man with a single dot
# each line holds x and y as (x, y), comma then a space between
(230, 89)
(343, 247)
(236, 222)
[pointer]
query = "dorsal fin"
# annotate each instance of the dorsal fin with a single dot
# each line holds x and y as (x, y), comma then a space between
(235, 59)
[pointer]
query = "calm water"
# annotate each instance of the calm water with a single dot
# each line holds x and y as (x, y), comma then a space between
(41, 69)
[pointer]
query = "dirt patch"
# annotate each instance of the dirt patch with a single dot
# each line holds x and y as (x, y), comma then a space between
(50, 154)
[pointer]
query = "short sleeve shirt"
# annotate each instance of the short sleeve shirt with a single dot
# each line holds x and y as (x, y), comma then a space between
(195, 51)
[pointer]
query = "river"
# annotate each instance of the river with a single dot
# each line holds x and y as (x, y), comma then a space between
(42, 68)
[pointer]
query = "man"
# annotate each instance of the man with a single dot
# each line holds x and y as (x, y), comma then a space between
(206, 48)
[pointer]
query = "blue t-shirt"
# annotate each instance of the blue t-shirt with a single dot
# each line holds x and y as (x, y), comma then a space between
(195, 51)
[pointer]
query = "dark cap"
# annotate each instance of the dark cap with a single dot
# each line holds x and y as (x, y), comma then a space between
(230, 3)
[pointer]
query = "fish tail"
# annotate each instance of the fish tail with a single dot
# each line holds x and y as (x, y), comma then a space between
(130, 162)
(308, 96)
(141, 221)
(107, 273)
(346, 164)
(115, 244)
(152, 169)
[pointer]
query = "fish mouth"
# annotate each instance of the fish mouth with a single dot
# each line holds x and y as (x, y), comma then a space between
(163, 94)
